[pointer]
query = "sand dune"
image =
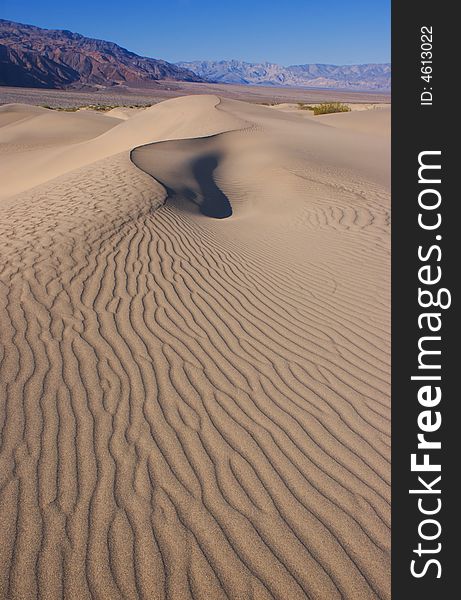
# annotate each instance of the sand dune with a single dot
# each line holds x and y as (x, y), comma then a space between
(377, 122)
(33, 125)
(196, 407)
(177, 118)
(124, 112)
(11, 113)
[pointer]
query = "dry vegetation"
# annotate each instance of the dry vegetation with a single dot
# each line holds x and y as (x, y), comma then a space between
(325, 108)
(98, 107)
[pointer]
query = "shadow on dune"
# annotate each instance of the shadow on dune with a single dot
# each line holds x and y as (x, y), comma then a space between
(196, 184)
(215, 202)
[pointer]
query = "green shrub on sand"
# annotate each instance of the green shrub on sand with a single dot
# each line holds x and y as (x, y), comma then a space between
(330, 107)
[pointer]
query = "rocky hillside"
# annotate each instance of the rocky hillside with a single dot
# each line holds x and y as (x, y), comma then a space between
(35, 57)
(359, 77)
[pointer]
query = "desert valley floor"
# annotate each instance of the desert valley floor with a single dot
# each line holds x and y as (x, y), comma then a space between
(194, 407)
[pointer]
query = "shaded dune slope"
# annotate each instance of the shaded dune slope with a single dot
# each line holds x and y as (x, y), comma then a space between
(187, 169)
(192, 407)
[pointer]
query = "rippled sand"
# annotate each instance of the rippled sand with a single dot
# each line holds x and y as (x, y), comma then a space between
(194, 407)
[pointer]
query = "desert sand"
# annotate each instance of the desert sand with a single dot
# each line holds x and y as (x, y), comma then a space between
(194, 407)
(164, 90)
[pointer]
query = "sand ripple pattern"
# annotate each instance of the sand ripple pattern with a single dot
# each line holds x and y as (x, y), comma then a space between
(186, 414)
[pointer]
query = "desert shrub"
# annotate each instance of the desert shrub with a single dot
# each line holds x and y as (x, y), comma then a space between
(97, 107)
(101, 107)
(62, 108)
(304, 106)
(327, 108)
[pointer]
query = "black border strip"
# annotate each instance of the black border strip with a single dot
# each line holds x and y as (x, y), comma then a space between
(417, 128)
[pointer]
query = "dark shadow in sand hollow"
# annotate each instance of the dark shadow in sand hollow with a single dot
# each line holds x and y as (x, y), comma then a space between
(203, 191)
(215, 203)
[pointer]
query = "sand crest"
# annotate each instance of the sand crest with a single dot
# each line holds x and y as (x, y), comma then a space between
(195, 407)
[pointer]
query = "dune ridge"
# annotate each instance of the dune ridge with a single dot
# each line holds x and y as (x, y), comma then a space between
(196, 407)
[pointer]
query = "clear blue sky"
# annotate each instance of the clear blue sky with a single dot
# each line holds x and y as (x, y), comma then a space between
(282, 31)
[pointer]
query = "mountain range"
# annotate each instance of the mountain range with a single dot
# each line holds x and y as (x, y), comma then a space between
(34, 57)
(360, 77)
(45, 58)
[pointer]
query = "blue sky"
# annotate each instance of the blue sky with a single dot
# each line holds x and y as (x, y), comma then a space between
(283, 31)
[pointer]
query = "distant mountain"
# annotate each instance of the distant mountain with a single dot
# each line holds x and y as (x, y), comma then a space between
(47, 58)
(360, 77)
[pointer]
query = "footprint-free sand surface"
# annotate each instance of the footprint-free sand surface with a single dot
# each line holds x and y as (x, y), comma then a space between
(194, 407)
